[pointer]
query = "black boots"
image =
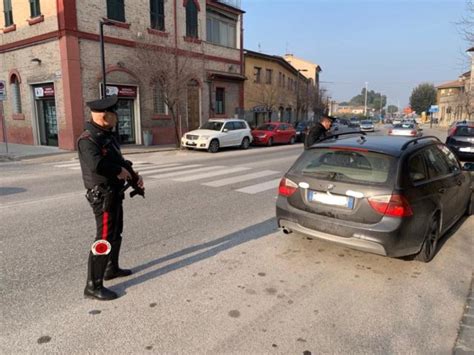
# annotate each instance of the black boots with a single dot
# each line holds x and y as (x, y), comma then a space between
(98, 292)
(113, 270)
(95, 274)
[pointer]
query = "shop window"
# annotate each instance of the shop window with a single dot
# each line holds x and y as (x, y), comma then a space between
(269, 76)
(221, 30)
(8, 12)
(191, 19)
(157, 14)
(220, 101)
(116, 10)
(160, 101)
(16, 95)
(257, 74)
(35, 10)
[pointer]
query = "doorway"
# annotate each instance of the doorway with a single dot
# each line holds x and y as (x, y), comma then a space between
(46, 114)
(126, 121)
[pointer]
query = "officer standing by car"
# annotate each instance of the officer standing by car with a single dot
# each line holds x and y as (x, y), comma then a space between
(318, 131)
(104, 171)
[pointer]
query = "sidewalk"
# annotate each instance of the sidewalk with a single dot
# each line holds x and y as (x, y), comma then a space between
(22, 151)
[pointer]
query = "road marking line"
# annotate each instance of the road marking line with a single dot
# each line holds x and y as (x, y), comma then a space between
(255, 189)
(66, 165)
(157, 171)
(236, 179)
(211, 174)
(154, 167)
(191, 171)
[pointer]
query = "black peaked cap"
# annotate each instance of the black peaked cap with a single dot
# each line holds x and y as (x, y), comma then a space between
(108, 103)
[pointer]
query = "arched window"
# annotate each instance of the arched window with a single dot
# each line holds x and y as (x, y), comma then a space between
(191, 19)
(160, 100)
(16, 95)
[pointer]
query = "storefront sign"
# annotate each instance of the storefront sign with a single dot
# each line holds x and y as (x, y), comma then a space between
(3, 90)
(44, 91)
(122, 91)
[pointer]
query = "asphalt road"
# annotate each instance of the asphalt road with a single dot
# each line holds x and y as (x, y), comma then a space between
(212, 272)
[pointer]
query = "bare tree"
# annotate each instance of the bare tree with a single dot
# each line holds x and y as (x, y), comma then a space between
(269, 98)
(169, 72)
(466, 24)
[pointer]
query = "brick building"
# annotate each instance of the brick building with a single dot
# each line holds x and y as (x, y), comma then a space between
(51, 63)
(273, 89)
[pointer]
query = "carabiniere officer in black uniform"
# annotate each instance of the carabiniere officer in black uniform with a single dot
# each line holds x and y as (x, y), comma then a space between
(104, 171)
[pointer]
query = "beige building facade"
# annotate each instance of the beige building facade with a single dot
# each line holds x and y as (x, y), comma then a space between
(271, 89)
(50, 60)
(455, 100)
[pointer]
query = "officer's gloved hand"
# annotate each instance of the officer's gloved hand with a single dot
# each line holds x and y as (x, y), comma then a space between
(124, 175)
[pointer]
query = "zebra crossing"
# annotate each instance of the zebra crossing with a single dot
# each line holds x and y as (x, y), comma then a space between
(213, 176)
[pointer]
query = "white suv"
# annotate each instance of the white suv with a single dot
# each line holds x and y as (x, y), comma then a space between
(217, 133)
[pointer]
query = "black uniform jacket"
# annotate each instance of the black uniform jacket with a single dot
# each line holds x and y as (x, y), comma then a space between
(100, 157)
(315, 134)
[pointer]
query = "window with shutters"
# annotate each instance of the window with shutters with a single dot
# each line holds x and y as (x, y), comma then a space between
(35, 10)
(160, 101)
(116, 10)
(16, 95)
(220, 101)
(7, 11)
(157, 14)
(221, 29)
(191, 19)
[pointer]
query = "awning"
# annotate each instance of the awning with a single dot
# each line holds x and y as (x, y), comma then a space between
(226, 76)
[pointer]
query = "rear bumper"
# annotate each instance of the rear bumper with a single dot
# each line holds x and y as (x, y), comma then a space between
(387, 237)
(463, 156)
(354, 243)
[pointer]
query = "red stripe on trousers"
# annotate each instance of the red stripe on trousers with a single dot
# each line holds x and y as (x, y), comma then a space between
(105, 225)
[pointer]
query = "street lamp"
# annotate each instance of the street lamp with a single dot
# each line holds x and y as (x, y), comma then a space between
(103, 22)
(365, 106)
(298, 92)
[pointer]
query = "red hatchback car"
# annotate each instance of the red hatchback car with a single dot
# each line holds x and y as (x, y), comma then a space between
(274, 132)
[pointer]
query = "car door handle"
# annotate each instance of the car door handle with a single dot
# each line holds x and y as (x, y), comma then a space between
(442, 190)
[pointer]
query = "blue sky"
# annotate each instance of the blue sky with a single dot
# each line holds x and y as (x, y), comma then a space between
(392, 44)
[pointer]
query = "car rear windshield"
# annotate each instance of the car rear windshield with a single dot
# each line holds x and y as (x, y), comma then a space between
(347, 165)
(266, 127)
(465, 131)
(212, 125)
(404, 125)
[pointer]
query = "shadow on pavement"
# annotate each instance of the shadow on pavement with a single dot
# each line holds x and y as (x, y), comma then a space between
(209, 249)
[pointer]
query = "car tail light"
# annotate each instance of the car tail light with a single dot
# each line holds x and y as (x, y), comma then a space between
(452, 131)
(413, 133)
(391, 205)
(287, 187)
(389, 131)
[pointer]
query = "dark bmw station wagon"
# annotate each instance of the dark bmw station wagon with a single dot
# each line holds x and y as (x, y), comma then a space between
(393, 196)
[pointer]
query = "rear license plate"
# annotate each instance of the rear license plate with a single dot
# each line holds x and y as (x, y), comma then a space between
(330, 199)
(467, 149)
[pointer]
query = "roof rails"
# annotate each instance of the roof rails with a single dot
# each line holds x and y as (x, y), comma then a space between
(415, 141)
(341, 134)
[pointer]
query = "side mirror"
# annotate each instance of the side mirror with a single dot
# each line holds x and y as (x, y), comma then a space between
(225, 130)
(468, 167)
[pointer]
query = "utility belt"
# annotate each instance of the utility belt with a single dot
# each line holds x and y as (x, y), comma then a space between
(103, 196)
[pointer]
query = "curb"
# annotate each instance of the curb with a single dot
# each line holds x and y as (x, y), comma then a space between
(465, 341)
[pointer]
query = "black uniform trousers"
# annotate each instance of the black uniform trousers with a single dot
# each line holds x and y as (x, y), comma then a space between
(109, 225)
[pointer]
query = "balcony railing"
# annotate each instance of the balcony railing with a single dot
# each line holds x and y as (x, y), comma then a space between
(234, 3)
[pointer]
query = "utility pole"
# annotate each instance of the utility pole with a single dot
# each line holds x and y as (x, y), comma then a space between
(365, 106)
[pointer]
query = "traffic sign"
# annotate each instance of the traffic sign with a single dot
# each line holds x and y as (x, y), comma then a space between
(433, 109)
(3, 90)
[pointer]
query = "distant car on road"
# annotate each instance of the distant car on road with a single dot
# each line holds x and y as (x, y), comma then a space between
(393, 196)
(218, 133)
(302, 129)
(367, 126)
(405, 129)
(461, 140)
(274, 132)
(354, 123)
